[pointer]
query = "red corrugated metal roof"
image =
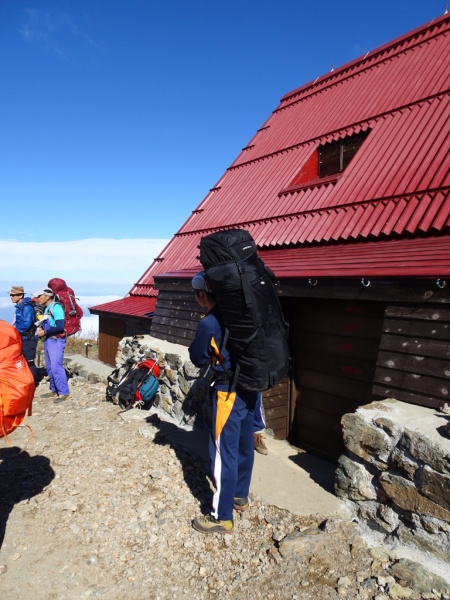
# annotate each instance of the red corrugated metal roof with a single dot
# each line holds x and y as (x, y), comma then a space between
(397, 186)
(131, 305)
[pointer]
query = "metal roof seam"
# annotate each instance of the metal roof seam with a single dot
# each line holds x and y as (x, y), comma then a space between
(432, 211)
(425, 144)
(319, 139)
(443, 213)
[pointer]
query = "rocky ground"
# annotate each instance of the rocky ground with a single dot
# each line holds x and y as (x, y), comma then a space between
(100, 506)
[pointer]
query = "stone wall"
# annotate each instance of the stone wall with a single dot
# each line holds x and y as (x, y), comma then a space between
(396, 471)
(182, 392)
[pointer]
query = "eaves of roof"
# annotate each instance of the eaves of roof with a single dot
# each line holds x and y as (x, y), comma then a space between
(136, 306)
(399, 259)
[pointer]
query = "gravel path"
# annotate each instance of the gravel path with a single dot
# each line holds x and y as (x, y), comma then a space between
(101, 507)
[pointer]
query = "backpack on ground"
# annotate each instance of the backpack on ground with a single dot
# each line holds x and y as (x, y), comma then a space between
(256, 334)
(136, 388)
(65, 296)
(16, 381)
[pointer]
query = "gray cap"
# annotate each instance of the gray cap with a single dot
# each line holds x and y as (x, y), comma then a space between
(199, 283)
(44, 291)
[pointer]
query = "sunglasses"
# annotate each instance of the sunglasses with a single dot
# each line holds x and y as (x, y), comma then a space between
(195, 292)
(15, 295)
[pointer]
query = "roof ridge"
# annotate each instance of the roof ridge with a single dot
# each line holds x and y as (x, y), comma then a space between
(435, 23)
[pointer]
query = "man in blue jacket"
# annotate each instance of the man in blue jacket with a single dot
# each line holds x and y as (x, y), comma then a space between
(54, 344)
(24, 323)
(231, 440)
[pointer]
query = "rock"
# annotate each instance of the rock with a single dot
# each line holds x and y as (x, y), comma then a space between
(379, 554)
(174, 361)
(389, 426)
(422, 448)
(406, 496)
(404, 464)
(380, 516)
(171, 374)
(436, 486)
(418, 578)
(437, 545)
(190, 370)
(370, 584)
(299, 543)
(397, 591)
(365, 439)
(353, 481)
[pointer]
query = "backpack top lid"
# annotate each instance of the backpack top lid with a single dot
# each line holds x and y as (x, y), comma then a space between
(57, 285)
(226, 245)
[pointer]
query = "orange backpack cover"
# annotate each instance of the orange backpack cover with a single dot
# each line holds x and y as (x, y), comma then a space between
(16, 380)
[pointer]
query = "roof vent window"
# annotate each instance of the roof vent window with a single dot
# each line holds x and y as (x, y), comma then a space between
(335, 156)
(327, 162)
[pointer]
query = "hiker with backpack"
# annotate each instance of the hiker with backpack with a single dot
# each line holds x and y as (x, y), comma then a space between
(231, 438)
(54, 336)
(24, 323)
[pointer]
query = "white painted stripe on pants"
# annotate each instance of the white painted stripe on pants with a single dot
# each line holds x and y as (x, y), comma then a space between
(217, 479)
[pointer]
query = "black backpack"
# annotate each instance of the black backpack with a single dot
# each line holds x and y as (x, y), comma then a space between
(137, 386)
(256, 334)
(38, 311)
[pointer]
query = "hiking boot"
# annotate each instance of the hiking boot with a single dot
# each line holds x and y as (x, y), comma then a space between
(259, 444)
(208, 524)
(241, 504)
(49, 395)
(61, 398)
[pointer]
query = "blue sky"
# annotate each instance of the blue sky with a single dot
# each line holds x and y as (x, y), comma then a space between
(117, 117)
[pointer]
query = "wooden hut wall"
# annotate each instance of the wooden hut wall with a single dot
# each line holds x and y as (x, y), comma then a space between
(276, 408)
(414, 360)
(111, 331)
(177, 313)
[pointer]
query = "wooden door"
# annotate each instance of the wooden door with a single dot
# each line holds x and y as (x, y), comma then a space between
(336, 344)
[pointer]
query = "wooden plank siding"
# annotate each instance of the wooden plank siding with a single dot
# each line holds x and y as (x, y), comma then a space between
(335, 352)
(111, 331)
(276, 408)
(176, 316)
(414, 360)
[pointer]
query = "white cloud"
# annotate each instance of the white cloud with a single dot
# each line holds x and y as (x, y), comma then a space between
(96, 260)
(89, 327)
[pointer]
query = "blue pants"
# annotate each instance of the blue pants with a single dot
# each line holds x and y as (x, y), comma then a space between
(29, 351)
(259, 421)
(231, 448)
(54, 355)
